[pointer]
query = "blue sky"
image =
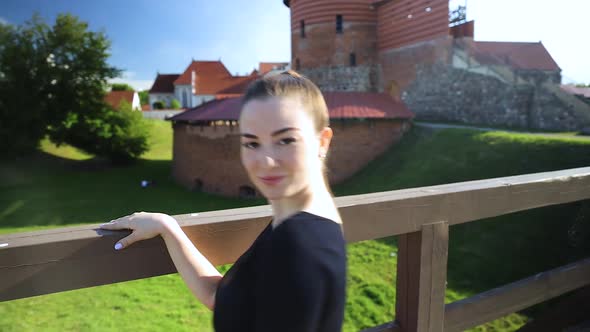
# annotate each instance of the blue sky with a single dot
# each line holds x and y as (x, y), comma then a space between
(150, 36)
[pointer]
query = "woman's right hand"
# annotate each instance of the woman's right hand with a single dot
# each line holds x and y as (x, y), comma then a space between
(144, 225)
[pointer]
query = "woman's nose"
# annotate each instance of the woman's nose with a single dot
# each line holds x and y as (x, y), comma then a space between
(268, 160)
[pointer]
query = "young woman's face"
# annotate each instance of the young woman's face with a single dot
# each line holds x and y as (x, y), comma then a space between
(280, 147)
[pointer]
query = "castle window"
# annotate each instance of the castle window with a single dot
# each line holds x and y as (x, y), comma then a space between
(352, 59)
(338, 23)
(297, 64)
(302, 26)
(197, 185)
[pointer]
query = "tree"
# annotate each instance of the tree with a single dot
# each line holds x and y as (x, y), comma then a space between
(53, 82)
(144, 97)
(174, 104)
(122, 133)
(121, 87)
(159, 105)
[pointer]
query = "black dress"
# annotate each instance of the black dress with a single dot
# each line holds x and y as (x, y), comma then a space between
(292, 278)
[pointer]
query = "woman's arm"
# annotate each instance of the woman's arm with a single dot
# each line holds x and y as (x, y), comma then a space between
(198, 273)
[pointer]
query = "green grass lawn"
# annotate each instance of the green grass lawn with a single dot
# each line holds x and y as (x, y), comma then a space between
(62, 186)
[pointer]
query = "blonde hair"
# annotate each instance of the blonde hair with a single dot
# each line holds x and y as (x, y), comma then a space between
(291, 84)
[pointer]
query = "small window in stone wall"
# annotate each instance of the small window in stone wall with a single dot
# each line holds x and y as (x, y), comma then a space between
(247, 192)
(338, 23)
(297, 64)
(302, 27)
(352, 59)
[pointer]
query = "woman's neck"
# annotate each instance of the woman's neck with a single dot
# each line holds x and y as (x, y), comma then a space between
(316, 200)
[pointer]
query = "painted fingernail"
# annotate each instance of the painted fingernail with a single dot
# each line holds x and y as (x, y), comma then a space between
(118, 246)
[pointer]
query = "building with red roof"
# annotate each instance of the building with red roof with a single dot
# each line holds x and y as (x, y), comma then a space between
(272, 67)
(203, 81)
(114, 98)
(377, 64)
(206, 153)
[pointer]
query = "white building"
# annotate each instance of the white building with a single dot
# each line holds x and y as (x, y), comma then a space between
(203, 81)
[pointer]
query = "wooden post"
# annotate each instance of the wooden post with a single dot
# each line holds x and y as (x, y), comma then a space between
(421, 278)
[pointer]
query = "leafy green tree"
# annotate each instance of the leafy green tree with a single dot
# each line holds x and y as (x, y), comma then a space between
(144, 97)
(53, 82)
(122, 134)
(159, 105)
(121, 87)
(174, 104)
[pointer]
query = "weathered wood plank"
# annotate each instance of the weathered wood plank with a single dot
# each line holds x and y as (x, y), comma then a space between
(498, 302)
(369, 216)
(571, 311)
(223, 235)
(408, 278)
(433, 276)
(71, 258)
(421, 278)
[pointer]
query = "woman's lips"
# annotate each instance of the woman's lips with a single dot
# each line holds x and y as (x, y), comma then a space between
(271, 180)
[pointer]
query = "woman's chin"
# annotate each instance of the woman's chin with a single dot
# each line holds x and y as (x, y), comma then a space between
(273, 195)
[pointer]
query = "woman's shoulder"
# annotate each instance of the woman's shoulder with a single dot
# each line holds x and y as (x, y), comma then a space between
(308, 230)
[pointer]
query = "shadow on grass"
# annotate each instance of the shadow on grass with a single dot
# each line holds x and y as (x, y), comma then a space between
(43, 189)
(488, 253)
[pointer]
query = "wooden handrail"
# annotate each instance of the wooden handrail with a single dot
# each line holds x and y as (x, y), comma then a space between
(43, 262)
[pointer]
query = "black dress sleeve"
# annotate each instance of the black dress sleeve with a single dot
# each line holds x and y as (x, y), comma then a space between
(293, 284)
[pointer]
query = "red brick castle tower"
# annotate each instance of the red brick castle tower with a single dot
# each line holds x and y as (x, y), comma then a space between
(353, 45)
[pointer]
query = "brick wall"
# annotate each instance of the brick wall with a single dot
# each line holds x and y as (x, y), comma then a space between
(322, 46)
(211, 155)
(399, 66)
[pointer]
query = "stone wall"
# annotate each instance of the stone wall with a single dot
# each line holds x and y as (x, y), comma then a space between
(443, 93)
(161, 115)
(539, 77)
(208, 158)
(363, 78)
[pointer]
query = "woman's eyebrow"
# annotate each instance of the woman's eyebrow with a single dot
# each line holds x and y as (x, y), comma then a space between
(275, 133)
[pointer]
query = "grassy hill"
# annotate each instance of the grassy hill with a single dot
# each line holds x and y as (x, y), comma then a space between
(62, 186)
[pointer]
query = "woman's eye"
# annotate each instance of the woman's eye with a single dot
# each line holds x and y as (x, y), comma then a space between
(286, 141)
(250, 145)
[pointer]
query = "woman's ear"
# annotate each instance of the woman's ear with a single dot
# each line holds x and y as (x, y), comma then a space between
(325, 139)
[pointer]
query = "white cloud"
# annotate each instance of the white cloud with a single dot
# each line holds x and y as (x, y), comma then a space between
(3, 21)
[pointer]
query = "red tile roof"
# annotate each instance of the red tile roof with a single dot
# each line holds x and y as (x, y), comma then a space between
(210, 76)
(365, 105)
(114, 98)
(575, 90)
(164, 83)
(340, 104)
(265, 67)
(213, 78)
(516, 55)
(237, 84)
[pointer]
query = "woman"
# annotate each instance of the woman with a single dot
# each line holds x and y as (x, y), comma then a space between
(293, 276)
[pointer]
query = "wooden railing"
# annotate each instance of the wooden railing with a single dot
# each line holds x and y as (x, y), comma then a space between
(63, 259)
